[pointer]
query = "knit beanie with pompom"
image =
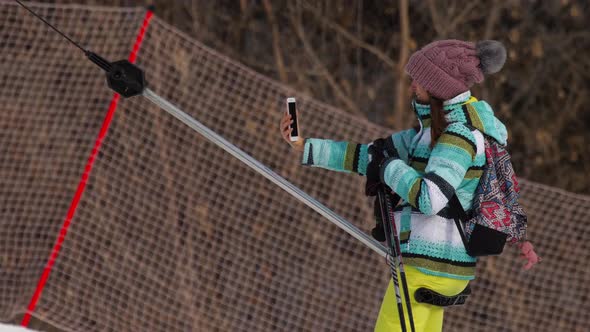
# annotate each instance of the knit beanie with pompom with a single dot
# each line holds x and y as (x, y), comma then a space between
(446, 68)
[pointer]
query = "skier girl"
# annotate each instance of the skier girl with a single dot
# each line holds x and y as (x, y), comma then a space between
(445, 155)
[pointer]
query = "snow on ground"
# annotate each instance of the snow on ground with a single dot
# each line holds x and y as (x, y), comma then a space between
(13, 328)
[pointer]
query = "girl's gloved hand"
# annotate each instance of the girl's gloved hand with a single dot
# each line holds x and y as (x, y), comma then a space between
(377, 157)
(381, 152)
(527, 252)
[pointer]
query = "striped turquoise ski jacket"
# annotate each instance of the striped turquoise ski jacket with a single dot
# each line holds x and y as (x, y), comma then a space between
(426, 179)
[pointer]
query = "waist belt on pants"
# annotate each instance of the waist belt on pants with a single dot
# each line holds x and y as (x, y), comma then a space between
(425, 295)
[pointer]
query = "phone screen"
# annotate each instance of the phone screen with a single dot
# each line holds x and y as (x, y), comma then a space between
(293, 112)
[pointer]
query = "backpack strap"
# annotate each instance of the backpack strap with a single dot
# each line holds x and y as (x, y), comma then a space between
(459, 214)
(460, 217)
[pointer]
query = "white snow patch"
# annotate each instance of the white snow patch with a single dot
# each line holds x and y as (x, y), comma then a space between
(13, 328)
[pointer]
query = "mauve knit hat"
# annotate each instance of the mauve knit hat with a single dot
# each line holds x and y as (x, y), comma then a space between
(446, 68)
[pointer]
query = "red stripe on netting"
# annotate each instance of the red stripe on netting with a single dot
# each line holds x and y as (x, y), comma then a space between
(139, 39)
(82, 184)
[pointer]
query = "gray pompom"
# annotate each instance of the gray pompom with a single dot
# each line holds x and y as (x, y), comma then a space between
(492, 55)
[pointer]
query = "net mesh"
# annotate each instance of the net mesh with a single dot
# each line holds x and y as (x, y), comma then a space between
(173, 233)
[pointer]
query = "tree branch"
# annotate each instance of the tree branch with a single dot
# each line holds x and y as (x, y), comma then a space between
(275, 40)
(460, 18)
(490, 23)
(434, 15)
(401, 101)
(359, 33)
(352, 38)
(492, 19)
(350, 105)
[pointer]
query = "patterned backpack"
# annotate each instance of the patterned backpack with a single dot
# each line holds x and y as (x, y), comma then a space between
(496, 216)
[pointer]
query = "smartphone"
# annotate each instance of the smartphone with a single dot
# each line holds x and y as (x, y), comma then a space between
(292, 109)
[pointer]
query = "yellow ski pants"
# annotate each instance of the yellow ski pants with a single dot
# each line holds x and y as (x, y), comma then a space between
(427, 317)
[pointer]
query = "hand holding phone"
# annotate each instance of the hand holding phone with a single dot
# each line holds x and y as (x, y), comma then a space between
(289, 126)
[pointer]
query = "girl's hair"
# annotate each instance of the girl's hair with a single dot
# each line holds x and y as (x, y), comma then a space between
(438, 121)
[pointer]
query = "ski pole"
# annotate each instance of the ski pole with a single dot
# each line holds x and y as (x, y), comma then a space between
(389, 199)
(392, 254)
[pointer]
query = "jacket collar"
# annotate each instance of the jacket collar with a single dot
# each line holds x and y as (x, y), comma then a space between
(422, 111)
(468, 110)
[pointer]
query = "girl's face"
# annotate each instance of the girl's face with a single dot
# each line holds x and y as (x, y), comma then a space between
(422, 96)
